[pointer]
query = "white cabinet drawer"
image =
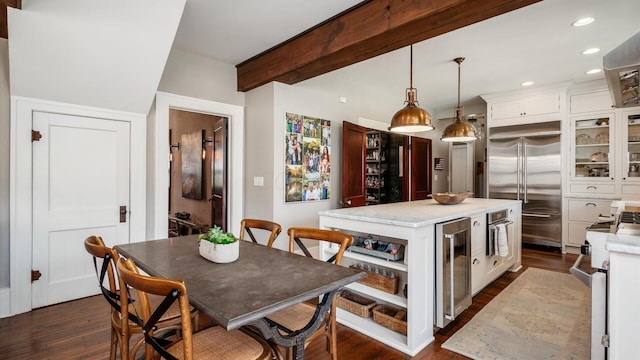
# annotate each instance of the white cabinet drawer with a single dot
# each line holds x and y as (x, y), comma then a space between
(595, 101)
(588, 210)
(630, 190)
(593, 188)
(577, 233)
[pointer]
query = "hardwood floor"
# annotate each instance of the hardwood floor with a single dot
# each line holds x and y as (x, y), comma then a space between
(80, 329)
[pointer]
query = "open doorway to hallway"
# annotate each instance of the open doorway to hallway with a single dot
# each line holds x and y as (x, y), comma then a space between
(198, 178)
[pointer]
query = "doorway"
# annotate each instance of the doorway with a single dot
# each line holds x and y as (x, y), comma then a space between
(461, 169)
(204, 205)
(157, 220)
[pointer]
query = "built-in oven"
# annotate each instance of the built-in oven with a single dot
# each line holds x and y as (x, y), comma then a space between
(453, 270)
(597, 279)
(497, 221)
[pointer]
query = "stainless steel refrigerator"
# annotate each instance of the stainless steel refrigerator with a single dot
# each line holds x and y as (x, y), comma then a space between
(524, 163)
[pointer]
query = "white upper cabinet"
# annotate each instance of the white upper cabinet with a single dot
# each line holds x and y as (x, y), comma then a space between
(525, 107)
(590, 102)
(529, 108)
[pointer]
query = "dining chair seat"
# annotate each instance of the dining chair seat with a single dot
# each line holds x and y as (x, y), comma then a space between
(217, 343)
(294, 317)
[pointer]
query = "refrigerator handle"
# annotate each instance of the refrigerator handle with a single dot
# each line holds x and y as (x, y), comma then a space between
(524, 172)
(518, 172)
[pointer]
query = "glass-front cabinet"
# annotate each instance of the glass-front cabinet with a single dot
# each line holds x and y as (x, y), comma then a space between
(593, 148)
(630, 153)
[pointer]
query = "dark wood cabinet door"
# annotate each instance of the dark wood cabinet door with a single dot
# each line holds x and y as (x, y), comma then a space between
(353, 165)
(420, 168)
(219, 175)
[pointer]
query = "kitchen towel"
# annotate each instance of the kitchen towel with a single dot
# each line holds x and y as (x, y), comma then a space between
(503, 244)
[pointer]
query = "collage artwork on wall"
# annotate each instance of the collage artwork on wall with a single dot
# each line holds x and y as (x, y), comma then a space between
(307, 144)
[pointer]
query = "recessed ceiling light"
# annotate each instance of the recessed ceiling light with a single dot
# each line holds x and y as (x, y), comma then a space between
(593, 71)
(527, 83)
(583, 21)
(590, 51)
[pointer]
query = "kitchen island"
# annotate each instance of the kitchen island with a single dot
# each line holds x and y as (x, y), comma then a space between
(412, 227)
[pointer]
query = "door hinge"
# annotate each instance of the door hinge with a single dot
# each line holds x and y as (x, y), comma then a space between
(35, 275)
(605, 340)
(35, 135)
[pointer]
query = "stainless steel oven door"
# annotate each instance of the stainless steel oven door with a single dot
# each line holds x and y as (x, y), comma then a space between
(597, 281)
(453, 270)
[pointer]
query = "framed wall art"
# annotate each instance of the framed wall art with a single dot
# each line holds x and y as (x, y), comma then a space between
(191, 146)
(307, 158)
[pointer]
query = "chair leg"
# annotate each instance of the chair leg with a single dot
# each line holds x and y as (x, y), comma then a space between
(332, 339)
(114, 344)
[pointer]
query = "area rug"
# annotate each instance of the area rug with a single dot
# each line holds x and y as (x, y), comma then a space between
(541, 315)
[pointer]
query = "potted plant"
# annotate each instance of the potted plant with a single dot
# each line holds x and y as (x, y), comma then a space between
(219, 246)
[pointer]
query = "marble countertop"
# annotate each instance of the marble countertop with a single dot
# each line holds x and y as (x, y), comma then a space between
(418, 213)
(628, 244)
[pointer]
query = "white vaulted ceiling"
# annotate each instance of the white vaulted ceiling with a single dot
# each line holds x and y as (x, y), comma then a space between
(105, 54)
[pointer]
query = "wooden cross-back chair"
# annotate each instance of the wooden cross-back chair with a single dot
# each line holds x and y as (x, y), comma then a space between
(248, 225)
(296, 317)
(211, 343)
(123, 327)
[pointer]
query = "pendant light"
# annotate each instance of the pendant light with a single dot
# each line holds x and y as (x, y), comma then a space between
(460, 130)
(411, 118)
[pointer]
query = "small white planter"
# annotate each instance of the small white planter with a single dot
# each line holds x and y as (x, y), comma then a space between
(220, 253)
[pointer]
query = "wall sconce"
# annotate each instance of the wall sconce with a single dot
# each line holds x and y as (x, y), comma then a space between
(204, 146)
(171, 146)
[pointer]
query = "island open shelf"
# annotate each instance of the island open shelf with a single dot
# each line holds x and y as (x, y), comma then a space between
(411, 224)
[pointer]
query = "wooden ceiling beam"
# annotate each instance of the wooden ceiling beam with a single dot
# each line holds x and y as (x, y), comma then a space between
(369, 29)
(4, 25)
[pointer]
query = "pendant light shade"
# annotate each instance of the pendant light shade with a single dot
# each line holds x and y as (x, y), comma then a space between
(460, 130)
(411, 118)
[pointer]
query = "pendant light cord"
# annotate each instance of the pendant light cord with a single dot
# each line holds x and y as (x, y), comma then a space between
(459, 84)
(411, 66)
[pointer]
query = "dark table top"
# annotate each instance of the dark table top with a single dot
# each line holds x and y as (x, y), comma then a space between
(263, 280)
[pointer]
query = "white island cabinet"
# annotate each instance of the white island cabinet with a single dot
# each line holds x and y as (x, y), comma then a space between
(412, 224)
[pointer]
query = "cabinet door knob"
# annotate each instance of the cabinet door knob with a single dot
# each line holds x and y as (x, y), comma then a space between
(495, 262)
(476, 261)
(476, 223)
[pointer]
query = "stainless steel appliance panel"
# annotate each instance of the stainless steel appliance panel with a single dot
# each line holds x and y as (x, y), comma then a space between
(504, 175)
(453, 270)
(525, 164)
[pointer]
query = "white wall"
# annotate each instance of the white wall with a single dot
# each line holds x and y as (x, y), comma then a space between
(192, 75)
(260, 135)
(5, 122)
(103, 54)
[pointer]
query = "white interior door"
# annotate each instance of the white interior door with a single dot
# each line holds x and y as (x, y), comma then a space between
(461, 175)
(80, 182)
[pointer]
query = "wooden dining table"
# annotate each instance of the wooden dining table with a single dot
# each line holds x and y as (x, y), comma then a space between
(262, 281)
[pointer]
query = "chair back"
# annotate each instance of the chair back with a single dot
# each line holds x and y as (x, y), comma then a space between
(248, 225)
(171, 290)
(296, 234)
(96, 248)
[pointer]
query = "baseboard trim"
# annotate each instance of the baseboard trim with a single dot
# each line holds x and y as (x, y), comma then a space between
(5, 302)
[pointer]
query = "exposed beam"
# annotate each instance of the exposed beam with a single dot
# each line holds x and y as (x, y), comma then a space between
(4, 27)
(367, 30)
